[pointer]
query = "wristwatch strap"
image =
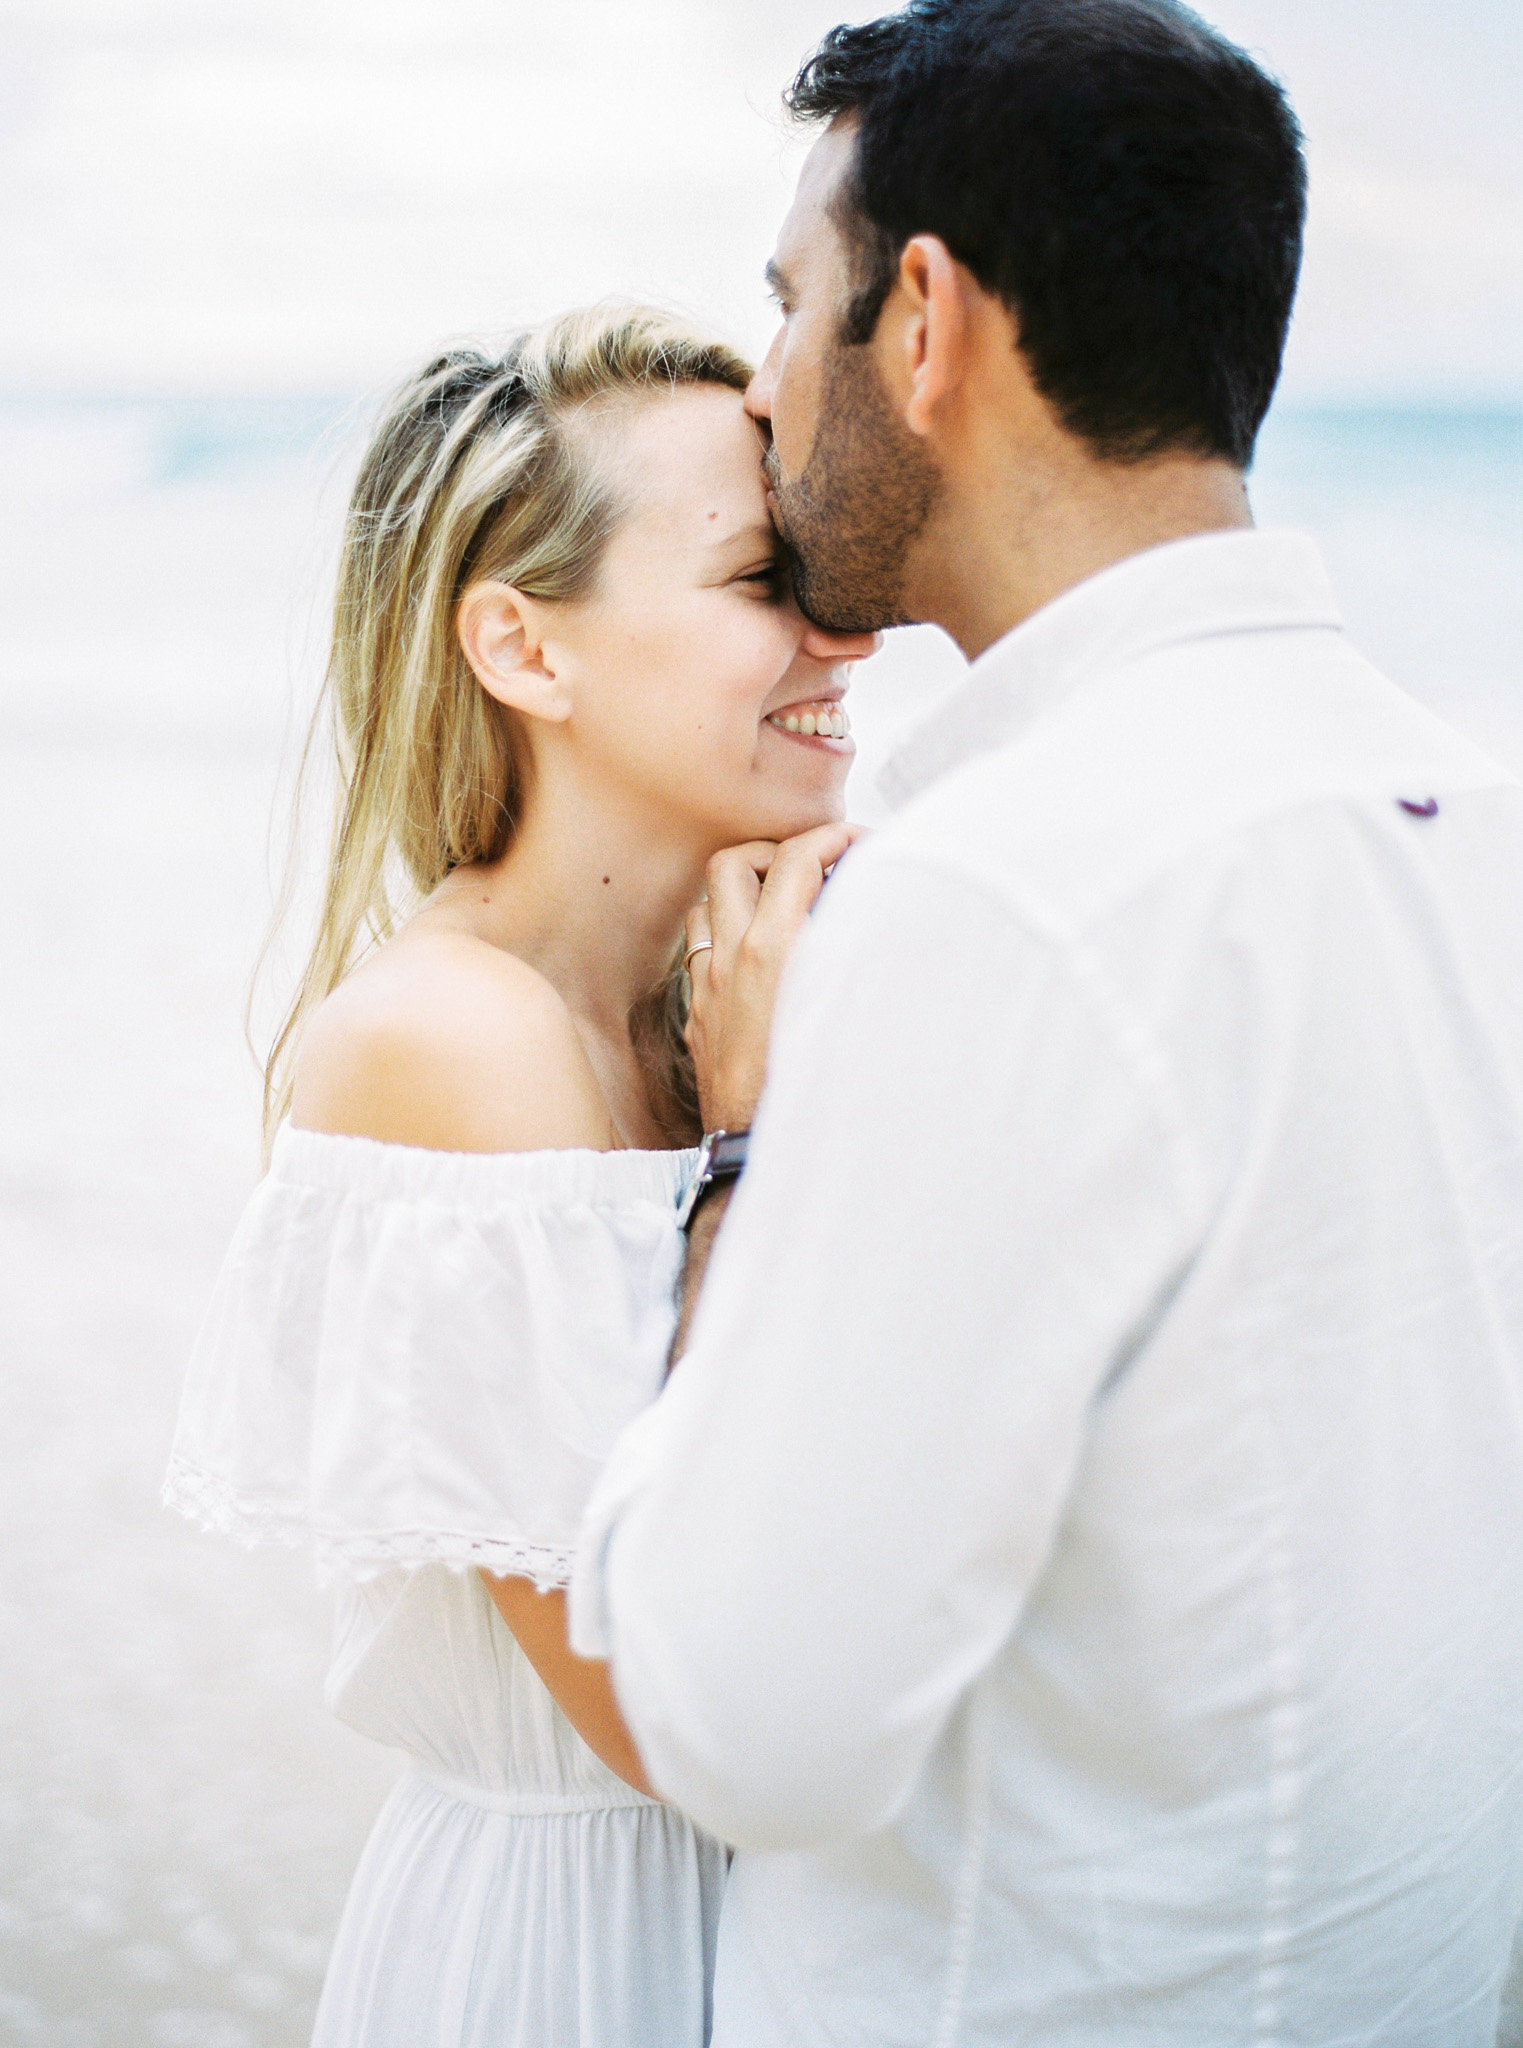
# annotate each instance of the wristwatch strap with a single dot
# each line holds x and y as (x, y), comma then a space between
(721, 1157)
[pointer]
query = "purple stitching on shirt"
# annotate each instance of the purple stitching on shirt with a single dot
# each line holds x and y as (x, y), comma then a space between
(1428, 808)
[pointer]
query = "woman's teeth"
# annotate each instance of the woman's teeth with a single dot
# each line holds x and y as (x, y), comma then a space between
(814, 721)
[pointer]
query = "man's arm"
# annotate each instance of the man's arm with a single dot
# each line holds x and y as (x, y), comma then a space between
(963, 1199)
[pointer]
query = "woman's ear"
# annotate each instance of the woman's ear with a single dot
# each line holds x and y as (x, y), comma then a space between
(502, 636)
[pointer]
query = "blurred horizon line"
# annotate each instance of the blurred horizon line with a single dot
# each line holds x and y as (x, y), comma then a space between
(58, 438)
(308, 400)
(1477, 403)
(1304, 395)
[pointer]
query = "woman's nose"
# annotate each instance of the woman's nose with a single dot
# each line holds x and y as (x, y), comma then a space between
(834, 647)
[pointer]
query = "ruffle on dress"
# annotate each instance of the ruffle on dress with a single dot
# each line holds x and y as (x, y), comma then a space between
(418, 1357)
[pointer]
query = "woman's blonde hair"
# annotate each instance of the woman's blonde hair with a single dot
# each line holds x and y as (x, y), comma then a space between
(473, 472)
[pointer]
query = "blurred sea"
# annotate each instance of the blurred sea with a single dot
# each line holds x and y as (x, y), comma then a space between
(178, 1816)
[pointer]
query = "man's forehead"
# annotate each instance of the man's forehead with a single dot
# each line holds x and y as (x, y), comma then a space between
(809, 224)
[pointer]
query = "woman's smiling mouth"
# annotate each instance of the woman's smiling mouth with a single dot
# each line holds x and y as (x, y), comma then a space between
(821, 720)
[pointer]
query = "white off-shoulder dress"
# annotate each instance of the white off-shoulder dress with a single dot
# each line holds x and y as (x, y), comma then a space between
(417, 1362)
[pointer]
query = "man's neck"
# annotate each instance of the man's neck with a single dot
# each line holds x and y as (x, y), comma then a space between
(1005, 545)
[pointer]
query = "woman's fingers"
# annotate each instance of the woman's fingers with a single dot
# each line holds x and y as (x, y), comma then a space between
(759, 898)
(735, 880)
(795, 879)
(697, 948)
(743, 879)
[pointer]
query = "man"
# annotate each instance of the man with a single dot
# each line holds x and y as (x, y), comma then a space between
(1079, 1559)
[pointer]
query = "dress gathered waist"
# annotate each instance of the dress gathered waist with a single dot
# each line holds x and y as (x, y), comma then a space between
(530, 1801)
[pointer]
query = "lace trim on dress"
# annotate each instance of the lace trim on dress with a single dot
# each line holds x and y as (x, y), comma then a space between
(219, 1508)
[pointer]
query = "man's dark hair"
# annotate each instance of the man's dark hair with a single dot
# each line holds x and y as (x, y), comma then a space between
(1126, 181)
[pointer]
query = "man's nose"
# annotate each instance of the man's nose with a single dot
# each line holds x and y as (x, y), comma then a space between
(834, 647)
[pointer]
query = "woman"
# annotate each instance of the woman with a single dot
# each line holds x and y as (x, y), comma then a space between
(567, 669)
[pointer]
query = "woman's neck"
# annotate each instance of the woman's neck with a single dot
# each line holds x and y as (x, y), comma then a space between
(590, 897)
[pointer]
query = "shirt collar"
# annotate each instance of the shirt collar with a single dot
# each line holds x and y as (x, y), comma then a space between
(1244, 581)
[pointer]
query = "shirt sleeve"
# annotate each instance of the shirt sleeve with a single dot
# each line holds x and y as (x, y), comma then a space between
(964, 1203)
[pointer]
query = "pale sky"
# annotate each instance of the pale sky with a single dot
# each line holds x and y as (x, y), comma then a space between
(305, 195)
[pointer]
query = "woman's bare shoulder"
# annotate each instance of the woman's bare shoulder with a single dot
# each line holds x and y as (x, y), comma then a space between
(444, 1041)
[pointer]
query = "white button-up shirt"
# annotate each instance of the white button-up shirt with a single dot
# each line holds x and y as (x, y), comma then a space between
(1080, 1559)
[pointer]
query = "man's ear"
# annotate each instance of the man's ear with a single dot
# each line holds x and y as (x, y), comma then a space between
(932, 329)
(502, 636)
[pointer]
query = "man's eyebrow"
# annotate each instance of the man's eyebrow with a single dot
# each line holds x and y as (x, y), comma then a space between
(777, 282)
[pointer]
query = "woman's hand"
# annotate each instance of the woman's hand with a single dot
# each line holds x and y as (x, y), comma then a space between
(759, 897)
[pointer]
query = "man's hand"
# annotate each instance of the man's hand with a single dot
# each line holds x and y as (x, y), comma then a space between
(759, 897)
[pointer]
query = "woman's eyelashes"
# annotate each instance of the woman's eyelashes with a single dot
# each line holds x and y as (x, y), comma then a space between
(770, 578)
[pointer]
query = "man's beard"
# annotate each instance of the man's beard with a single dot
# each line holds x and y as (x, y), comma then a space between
(849, 520)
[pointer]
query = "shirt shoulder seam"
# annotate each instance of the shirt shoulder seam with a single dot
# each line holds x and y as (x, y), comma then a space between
(1135, 1045)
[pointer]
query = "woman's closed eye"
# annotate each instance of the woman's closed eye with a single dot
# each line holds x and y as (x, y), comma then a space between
(770, 578)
